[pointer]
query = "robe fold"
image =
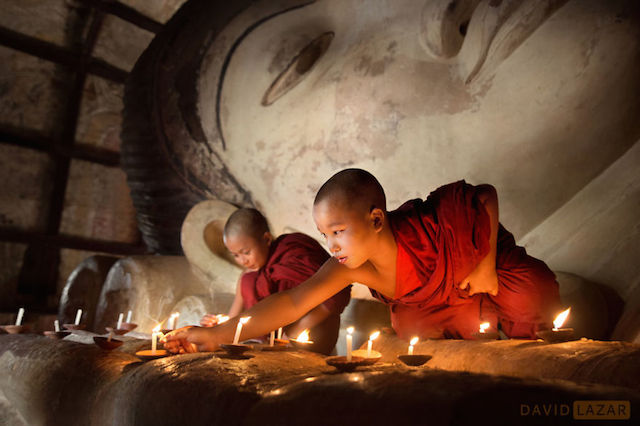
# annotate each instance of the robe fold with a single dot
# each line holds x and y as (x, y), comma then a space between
(440, 242)
(292, 259)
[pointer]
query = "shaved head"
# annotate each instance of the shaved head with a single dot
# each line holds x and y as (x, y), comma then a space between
(353, 188)
(246, 221)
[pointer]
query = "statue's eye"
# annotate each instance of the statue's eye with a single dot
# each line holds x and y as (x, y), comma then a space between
(297, 68)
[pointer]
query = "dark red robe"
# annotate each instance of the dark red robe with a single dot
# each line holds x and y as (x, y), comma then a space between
(440, 242)
(293, 258)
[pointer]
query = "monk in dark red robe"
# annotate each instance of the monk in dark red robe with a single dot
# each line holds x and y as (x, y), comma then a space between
(440, 241)
(292, 259)
(444, 265)
(273, 266)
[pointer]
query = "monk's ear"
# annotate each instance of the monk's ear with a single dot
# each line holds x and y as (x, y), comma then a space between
(377, 218)
(268, 238)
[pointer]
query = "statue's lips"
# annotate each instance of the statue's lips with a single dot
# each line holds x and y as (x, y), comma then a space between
(342, 259)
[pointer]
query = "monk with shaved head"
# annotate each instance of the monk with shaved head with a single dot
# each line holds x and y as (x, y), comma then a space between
(444, 265)
(273, 265)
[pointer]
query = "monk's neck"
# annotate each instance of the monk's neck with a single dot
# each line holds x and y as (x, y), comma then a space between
(384, 258)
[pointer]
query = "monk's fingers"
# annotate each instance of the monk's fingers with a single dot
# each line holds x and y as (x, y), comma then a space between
(464, 284)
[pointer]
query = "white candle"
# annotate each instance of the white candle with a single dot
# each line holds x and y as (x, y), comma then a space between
(56, 325)
(272, 336)
(241, 321)
(129, 316)
(172, 320)
(110, 336)
(280, 333)
(154, 342)
(411, 344)
(78, 317)
(372, 337)
(349, 342)
(120, 317)
(19, 317)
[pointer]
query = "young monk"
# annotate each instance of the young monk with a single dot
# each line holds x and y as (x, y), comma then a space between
(275, 265)
(443, 265)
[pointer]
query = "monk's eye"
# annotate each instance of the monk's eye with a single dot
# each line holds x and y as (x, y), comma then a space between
(338, 232)
(323, 235)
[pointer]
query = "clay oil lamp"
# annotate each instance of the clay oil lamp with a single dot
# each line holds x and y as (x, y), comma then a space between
(236, 348)
(128, 325)
(18, 327)
(76, 324)
(411, 359)
(107, 343)
(154, 353)
(349, 362)
(302, 341)
(121, 327)
(557, 334)
(275, 345)
(370, 356)
(56, 334)
(483, 334)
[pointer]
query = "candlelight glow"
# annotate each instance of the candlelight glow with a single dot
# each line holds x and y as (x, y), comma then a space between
(222, 318)
(304, 336)
(156, 329)
(374, 336)
(350, 330)
(484, 326)
(560, 319)
(413, 341)
(244, 320)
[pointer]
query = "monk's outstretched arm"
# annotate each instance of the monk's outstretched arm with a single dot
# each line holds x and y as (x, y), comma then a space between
(484, 278)
(275, 311)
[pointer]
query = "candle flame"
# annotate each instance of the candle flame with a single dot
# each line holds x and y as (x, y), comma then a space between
(350, 330)
(303, 337)
(413, 341)
(222, 318)
(484, 326)
(244, 320)
(156, 329)
(374, 335)
(560, 319)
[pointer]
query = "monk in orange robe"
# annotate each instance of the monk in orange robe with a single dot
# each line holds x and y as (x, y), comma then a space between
(443, 265)
(275, 265)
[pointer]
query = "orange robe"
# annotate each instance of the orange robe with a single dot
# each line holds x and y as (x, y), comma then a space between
(440, 242)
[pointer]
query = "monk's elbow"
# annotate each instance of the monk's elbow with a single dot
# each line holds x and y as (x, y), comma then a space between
(486, 193)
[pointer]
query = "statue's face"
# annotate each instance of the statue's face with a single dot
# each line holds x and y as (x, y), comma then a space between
(535, 99)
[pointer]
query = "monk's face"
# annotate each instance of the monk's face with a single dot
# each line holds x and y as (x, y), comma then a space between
(249, 252)
(350, 232)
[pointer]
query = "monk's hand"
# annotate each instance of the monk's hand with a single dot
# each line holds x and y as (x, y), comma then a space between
(194, 339)
(483, 279)
(176, 341)
(209, 320)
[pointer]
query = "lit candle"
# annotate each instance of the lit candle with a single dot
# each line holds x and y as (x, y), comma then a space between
(78, 317)
(222, 318)
(110, 336)
(56, 325)
(484, 326)
(120, 317)
(303, 337)
(372, 337)
(242, 321)
(272, 337)
(560, 319)
(411, 344)
(280, 333)
(349, 342)
(129, 316)
(19, 317)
